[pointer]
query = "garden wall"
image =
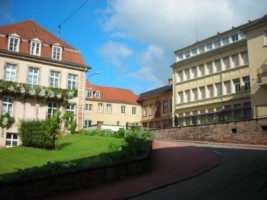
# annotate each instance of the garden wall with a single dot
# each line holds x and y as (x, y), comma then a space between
(246, 132)
(60, 183)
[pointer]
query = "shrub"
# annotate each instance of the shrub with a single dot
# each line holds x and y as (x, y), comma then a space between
(40, 133)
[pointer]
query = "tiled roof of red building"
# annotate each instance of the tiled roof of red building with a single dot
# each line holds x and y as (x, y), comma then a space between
(28, 30)
(110, 94)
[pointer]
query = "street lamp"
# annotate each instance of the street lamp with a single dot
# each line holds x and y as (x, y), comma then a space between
(95, 73)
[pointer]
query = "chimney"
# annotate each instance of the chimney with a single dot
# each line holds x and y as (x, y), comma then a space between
(170, 81)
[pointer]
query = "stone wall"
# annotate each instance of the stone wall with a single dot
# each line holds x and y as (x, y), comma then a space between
(246, 132)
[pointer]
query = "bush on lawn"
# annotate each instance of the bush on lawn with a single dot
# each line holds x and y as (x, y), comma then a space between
(40, 133)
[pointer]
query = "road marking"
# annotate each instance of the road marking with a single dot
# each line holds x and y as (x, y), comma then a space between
(217, 152)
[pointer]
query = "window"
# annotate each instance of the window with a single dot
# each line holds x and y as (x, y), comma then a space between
(225, 40)
(90, 108)
(217, 43)
(201, 49)
(180, 56)
(247, 110)
(123, 109)
(194, 52)
(237, 111)
(109, 108)
(209, 46)
(187, 54)
(12, 139)
(8, 105)
(237, 85)
(234, 37)
(56, 54)
(187, 95)
(133, 110)
(180, 76)
(35, 48)
(97, 94)
(195, 94)
(209, 68)
(219, 89)
(87, 123)
(13, 44)
(165, 106)
(201, 70)
(218, 65)
(144, 111)
(187, 74)
(52, 106)
(246, 81)
(226, 63)
(100, 107)
(227, 87)
(244, 56)
(210, 90)
(194, 72)
(86, 106)
(54, 79)
(33, 76)
(235, 60)
(151, 109)
(70, 108)
(202, 92)
(89, 93)
(72, 81)
(180, 97)
(10, 74)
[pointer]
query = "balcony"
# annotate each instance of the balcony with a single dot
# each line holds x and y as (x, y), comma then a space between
(262, 75)
(24, 90)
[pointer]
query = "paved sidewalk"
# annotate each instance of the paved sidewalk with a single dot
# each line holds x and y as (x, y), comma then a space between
(170, 162)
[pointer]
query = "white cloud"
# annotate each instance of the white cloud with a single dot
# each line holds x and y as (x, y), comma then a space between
(166, 26)
(115, 53)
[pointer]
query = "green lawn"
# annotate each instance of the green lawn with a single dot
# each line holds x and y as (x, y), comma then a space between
(82, 148)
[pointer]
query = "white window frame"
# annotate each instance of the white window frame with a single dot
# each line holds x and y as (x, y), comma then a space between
(13, 141)
(244, 56)
(134, 110)
(100, 107)
(186, 75)
(13, 43)
(180, 76)
(35, 48)
(218, 65)
(226, 63)
(56, 52)
(225, 41)
(123, 109)
(209, 68)
(246, 81)
(109, 108)
(89, 93)
(202, 92)
(51, 108)
(144, 111)
(180, 97)
(33, 76)
(218, 89)
(10, 72)
(187, 96)
(209, 47)
(54, 79)
(235, 60)
(194, 72)
(97, 94)
(8, 105)
(210, 91)
(201, 70)
(227, 87)
(235, 37)
(195, 94)
(72, 81)
(165, 106)
(87, 123)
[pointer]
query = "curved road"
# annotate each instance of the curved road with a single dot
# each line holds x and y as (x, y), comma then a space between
(242, 175)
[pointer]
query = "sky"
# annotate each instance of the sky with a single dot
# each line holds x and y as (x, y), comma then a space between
(132, 42)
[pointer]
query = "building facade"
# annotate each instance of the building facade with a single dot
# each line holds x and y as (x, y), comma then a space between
(39, 73)
(157, 107)
(217, 79)
(113, 108)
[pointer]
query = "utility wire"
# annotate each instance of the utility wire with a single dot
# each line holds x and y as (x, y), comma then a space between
(59, 26)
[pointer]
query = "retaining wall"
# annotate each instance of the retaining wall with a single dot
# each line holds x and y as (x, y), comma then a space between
(245, 132)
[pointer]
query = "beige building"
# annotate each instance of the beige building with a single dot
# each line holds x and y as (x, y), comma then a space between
(113, 108)
(39, 72)
(222, 78)
(157, 107)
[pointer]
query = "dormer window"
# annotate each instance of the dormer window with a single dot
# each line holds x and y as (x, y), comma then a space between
(89, 93)
(57, 52)
(36, 47)
(97, 94)
(234, 37)
(13, 43)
